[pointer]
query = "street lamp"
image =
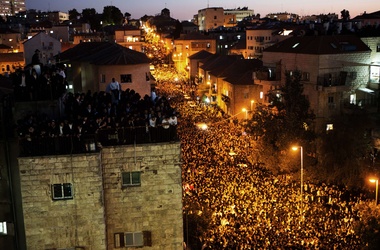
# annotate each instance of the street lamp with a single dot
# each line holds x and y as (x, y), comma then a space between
(295, 148)
(252, 102)
(246, 113)
(377, 188)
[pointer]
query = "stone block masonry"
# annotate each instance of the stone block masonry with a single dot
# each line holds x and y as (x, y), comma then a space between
(101, 208)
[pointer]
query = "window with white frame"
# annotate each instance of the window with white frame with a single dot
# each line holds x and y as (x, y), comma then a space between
(133, 239)
(132, 178)
(62, 191)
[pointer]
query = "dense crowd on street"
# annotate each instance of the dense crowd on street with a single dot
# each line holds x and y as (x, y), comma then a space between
(244, 205)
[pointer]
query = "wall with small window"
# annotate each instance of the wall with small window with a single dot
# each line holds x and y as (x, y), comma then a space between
(144, 184)
(123, 197)
(63, 202)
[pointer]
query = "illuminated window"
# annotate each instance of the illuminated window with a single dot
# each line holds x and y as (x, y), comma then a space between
(329, 127)
(261, 94)
(353, 99)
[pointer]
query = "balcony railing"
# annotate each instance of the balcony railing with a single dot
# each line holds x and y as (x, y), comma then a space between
(87, 143)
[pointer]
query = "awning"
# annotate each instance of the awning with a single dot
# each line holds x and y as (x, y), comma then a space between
(367, 90)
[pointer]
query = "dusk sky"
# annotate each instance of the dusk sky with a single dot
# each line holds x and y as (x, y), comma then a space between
(185, 9)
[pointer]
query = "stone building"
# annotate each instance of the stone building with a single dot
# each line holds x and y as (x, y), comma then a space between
(210, 18)
(121, 197)
(335, 72)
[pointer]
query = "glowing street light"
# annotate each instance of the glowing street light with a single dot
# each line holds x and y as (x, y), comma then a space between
(252, 102)
(295, 148)
(246, 113)
(377, 188)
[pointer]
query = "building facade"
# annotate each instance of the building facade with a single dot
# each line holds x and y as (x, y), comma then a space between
(92, 65)
(335, 72)
(11, 7)
(210, 18)
(123, 196)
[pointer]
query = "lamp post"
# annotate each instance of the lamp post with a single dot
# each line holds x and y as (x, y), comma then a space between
(377, 188)
(295, 148)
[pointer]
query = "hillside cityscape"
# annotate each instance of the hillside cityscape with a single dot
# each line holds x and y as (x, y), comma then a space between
(228, 131)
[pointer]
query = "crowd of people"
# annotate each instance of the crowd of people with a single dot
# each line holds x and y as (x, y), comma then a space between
(231, 202)
(93, 120)
(37, 83)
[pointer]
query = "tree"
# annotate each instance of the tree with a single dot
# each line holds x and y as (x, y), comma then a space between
(73, 14)
(345, 14)
(112, 15)
(343, 153)
(90, 16)
(127, 15)
(286, 122)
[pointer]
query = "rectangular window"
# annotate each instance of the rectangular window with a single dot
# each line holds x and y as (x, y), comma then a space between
(102, 78)
(62, 191)
(378, 48)
(131, 178)
(133, 239)
(330, 99)
(305, 76)
(126, 78)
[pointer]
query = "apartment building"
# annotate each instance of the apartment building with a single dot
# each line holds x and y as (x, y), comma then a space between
(121, 197)
(11, 7)
(210, 18)
(335, 72)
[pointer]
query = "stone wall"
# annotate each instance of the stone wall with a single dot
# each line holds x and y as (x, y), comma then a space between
(156, 204)
(51, 224)
(101, 207)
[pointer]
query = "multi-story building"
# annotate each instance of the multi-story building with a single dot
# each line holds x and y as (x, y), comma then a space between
(283, 16)
(130, 37)
(11, 39)
(210, 18)
(262, 37)
(368, 19)
(122, 197)
(240, 13)
(335, 72)
(227, 81)
(11, 7)
(58, 17)
(189, 44)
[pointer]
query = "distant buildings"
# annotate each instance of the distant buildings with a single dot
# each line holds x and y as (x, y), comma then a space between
(11, 7)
